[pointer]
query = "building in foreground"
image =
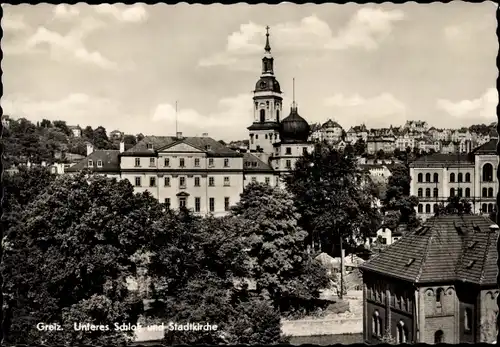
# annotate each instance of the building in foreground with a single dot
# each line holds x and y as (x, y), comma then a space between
(436, 177)
(437, 284)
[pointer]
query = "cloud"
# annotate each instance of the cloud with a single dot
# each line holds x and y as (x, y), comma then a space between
(377, 111)
(134, 14)
(484, 107)
(14, 23)
(229, 122)
(365, 30)
(63, 11)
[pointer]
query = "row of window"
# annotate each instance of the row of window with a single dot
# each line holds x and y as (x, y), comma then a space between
(197, 203)
(485, 208)
(377, 328)
(487, 176)
(182, 162)
(91, 163)
(196, 183)
(486, 192)
(397, 301)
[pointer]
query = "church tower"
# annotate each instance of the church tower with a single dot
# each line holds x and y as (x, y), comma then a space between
(267, 108)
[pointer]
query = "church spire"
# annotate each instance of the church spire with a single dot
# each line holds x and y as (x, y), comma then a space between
(294, 104)
(267, 48)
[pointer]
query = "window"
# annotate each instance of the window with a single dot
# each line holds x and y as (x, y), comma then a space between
(197, 204)
(262, 115)
(428, 208)
(452, 177)
(439, 336)
(137, 162)
(490, 208)
(149, 146)
(151, 161)
(436, 177)
(278, 116)
(182, 202)
(208, 148)
(467, 192)
(167, 162)
(460, 177)
(420, 192)
(420, 178)
(211, 182)
(226, 162)
(304, 150)
(467, 319)
(167, 202)
(488, 172)
(459, 192)
(484, 208)
(435, 208)
(428, 192)
(226, 204)
(210, 162)
(427, 177)
(436, 192)
(182, 182)
(439, 296)
(196, 162)
(91, 163)
(402, 333)
(490, 192)
(256, 136)
(211, 202)
(137, 181)
(288, 150)
(420, 208)
(166, 180)
(288, 164)
(196, 181)
(265, 136)
(268, 180)
(485, 192)
(467, 177)
(376, 324)
(226, 182)
(152, 181)
(181, 162)
(452, 191)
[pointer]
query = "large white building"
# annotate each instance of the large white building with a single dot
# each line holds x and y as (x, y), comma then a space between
(199, 172)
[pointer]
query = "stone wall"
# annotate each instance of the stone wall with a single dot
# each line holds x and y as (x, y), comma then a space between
(311, 327)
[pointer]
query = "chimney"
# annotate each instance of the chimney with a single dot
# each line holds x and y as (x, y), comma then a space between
(122, 146)
(90, 149)
(179, 135)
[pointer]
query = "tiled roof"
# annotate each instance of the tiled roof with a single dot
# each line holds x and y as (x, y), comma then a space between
(110, 162)
(331, 124)
(264, 126)
(251, 163)
(201, 143)
(443, 159)
(445, 248)
(489, 147)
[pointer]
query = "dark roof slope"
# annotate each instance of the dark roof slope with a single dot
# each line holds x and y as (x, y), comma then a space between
(489, 147)
(110, 162)
(440, 159)
(252, 163)
(444, 249)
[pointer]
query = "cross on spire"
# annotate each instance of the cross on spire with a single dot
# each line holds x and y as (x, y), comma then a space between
(267, 48)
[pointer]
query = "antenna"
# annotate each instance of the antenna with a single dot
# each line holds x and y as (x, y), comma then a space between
(176, 130)
(293, 102)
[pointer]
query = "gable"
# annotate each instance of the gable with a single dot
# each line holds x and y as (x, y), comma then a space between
(180, 148)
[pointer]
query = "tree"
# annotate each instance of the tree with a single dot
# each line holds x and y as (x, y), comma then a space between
(88, 133)
(281, 267)
(68, 257)
(222, 142)
(335, 200)
(455, 206)
(62, 126)
(360, 147)
(130, 140)
(139, 137)
(381, 154)
(100, 138)
(46, 123)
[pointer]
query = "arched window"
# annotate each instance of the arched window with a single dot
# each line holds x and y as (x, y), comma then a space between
(435, 208)
(376, 324)
(420, 208)
(265, 136)
(428, 192)
(278, 116)
(436, 192)
(256, 105)
(488, 172)
(402, 333)
(467, 319)
(420, 192)
(467, 177)
(262, 115)
(452, 177)
(484, 208)
(467, 192)
(436, 177)
(420, 177)
(490, 192)
(439, 336)
(490, 208)
(452, 191)
(428, 208)
(460, 177)
(485, 192)
(439, 296)
(459, 192)
(427, 177)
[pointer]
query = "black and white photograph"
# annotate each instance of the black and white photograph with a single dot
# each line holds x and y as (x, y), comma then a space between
(249, 174)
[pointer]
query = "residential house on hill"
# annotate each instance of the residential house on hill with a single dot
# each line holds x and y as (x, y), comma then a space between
(76, 131)
(437, 284)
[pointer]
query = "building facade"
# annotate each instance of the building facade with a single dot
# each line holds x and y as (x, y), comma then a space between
(435, 178)
(424, 290)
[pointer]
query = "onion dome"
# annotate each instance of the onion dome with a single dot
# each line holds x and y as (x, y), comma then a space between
(267, 84)
(294, 128)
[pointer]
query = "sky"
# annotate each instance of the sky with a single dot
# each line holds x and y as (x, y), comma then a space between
(125, 66)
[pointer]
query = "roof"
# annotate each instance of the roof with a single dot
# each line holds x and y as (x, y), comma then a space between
(489, 147)
(264, 126)
(331, 124)
(110, 162)
(252, 163)
(201, 143)
(71, 127)
(444, 249)
(440, 159)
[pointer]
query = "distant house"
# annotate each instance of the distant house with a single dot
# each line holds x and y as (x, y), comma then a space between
(387, 236)
(5, 121)
(116, 135)
(76, 131)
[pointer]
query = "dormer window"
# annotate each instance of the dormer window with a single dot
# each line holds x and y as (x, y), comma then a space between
(91, 163)
(208, 148)
(410, 261)
(149, 146)
(99, 163)
(470, 264)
